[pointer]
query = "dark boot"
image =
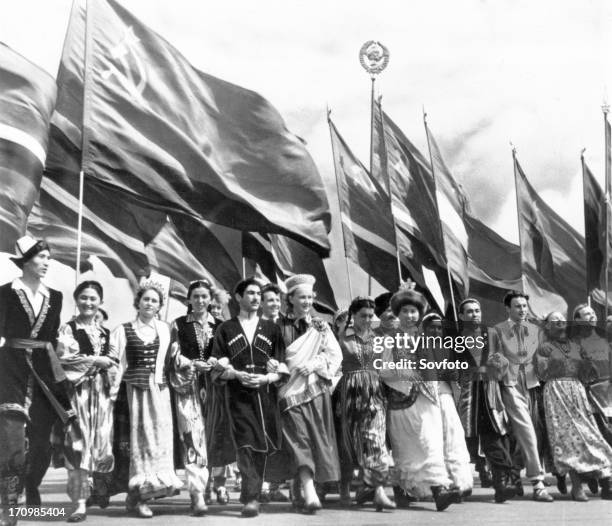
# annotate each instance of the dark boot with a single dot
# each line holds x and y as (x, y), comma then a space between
(503, 490)
(402, 500)
(606, 488)
(443, 497)
(10, 488)
(295, 494)
(486, 480)
(592, 485)
(561, 484)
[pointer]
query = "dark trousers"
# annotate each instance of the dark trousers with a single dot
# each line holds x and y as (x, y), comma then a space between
(38, 433)
(252, 466)
(472, 447)
(496, 448)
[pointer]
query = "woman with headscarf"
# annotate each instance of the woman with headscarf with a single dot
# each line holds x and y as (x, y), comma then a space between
(192, 338)
(143, 346)
(313, 357)
(414, 420)
(83, 350)
(360, 408)
(577, 445)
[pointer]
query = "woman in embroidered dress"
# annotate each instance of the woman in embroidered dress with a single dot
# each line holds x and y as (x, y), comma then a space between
(192, 337)
(313, 357)
(360, 408)
(83, 350)
(143, 347)
(414, 420)
(577, 444)
(456, 455)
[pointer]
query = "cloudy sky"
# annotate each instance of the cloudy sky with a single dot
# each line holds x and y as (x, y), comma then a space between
(487, 73)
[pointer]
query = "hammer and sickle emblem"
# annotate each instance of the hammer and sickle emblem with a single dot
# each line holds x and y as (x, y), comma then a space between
(132, 75)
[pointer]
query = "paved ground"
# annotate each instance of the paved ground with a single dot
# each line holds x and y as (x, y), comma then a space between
(480, 509)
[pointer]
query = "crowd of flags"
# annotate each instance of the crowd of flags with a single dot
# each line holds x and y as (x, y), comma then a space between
(152, 164)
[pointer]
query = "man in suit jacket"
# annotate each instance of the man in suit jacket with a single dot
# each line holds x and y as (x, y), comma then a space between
(516, 340)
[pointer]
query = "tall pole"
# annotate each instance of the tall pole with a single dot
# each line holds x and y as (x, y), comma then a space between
(518, 212)
(582, 164)
(84, 131)
(607, 152)
(374, 58)
(373, 78)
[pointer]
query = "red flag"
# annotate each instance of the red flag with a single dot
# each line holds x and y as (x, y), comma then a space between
(27, 96)
(594, 230)
(367, 224)
(282, 257)
(552, 252)
(451, 203)
(177, 139)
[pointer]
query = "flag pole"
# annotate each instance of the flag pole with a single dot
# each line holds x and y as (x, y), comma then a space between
(518, 213)
(373, 78)
(588, 292)
(607, 153)
(388, 187)
(448, 272)
(84, 134)
(374, 58)
(348, 272)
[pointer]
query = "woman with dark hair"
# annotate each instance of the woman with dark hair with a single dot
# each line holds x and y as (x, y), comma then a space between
(143, 346)
(360, 408)
(33, 394)
(577, 445)
(83, 350)
(192, 338)
(313, 357)
(414, 420)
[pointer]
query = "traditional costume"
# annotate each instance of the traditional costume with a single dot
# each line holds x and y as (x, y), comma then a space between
(521, 394)
(598, 350)
(192, 340)
(93, 398)
(145, 358)
(252, 412)
(482, 411)
(305, 401)
(577, 445)
(360, 411)
(33, 391)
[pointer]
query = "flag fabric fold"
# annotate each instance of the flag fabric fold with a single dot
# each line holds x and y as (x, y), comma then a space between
(552, 252)
(365, 211)
(451, 203)
(27, 96)
(179, 140)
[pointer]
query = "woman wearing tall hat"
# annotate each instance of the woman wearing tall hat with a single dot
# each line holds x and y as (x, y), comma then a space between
(192, 337)
(414, 420)
(83, 350)
(313, 357)
(143, 346)
(360, 408)
(33, 391)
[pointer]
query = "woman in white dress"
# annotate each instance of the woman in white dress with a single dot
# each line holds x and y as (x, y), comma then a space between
(414, 420)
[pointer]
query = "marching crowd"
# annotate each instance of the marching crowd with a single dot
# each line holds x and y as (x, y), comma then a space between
(292, 400)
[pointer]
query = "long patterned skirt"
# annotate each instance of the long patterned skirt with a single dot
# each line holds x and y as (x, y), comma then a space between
(360, 412)
(456, 456)
(192, 436)
(152, 442)
(575, 439)
(417, 443)
(88, 454)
